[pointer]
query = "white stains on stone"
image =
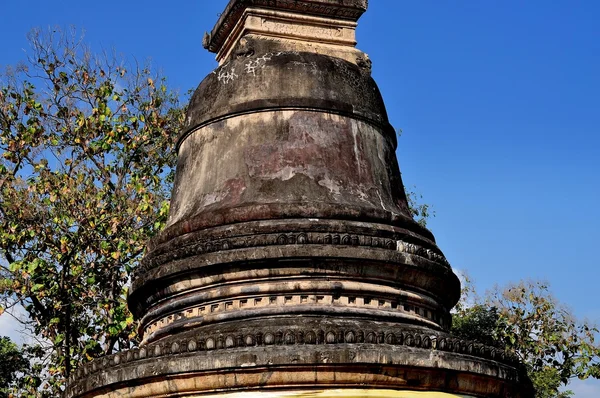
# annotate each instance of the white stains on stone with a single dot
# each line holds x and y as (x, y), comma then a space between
(285, 174)
(330, 184)
(214, 197)
(381, 149)
(288, 172)
(362, 196)
(251, 67)
(356, 149)
(226, 76)
(258, 63)
(380, 198)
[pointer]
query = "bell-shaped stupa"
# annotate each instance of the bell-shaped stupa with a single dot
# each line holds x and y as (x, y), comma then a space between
(290, 265)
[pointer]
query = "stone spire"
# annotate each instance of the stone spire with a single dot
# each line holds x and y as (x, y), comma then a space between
(290, 261)
(319, 26)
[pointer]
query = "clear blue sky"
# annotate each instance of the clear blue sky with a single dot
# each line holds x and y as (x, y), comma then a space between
(499, 102)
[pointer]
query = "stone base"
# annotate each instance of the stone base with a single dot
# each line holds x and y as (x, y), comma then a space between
(340, 393)
(257, 378)
(320, 357)
(334, 393)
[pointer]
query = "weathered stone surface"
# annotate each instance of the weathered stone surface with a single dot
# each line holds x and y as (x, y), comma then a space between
(307, 189)
(314, 353)
(290, 260)
(288, 80)
(247, 27)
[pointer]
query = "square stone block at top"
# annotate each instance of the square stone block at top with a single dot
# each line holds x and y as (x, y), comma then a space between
(347, 10)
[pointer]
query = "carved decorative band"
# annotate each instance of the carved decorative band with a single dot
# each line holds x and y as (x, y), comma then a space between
(214, 41)
(291, 238)
(409, 309)
(302, 30)
(281, 337)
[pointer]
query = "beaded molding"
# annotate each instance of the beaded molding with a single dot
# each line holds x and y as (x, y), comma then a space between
(280, 337)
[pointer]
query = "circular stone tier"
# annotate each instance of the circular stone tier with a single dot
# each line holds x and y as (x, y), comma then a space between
(288, 200)
(313, 354)
(336, 268)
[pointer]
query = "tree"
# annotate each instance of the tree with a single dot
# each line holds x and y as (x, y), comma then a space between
(420, 211)
(12, 362)
(85, 172)
(526, 320)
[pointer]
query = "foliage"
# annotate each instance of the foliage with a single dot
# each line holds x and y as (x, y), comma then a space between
(420, 211)
(478, 323)
(86, 148)
(12, 362)
(542, 333)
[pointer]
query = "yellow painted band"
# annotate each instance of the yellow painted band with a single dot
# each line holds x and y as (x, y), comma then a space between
(340, 393)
